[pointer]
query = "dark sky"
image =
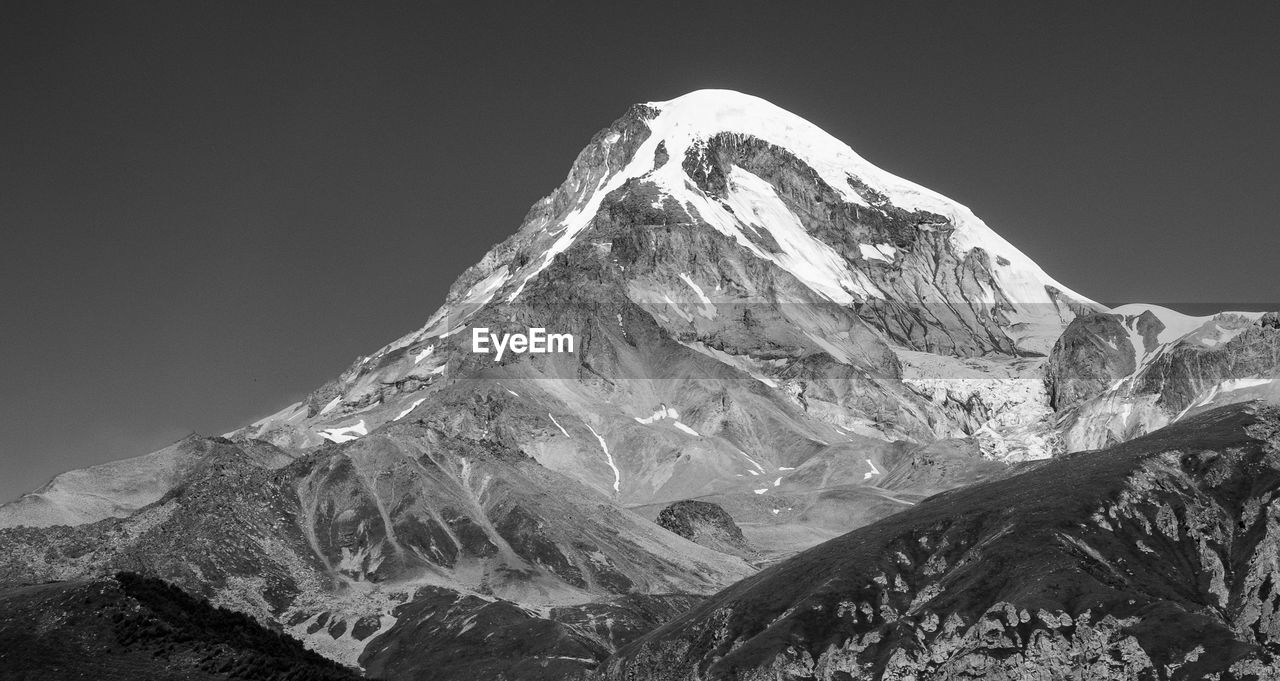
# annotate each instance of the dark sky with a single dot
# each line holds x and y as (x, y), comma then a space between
(210, 209)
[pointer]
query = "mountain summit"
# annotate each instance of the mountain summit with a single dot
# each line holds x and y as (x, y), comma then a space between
(675, 149)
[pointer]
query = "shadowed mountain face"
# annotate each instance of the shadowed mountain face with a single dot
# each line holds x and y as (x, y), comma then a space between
(130, 627)
(1154, 559)
(750, 317)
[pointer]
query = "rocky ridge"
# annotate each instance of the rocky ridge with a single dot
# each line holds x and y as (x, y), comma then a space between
(1154, 559)
(1116, 375)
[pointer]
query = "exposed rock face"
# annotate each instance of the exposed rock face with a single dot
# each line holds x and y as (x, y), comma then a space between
(1155, 559)
(957, 319)
(1116, 376)
(1092, 354)
(704, 523)
(1182, 375)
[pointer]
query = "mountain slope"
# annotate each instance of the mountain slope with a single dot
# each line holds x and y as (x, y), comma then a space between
(337, 546)
(1155, 559)
(716, 249)
(745, 290)
(119, 488)
(1116, 375)
(129, 627)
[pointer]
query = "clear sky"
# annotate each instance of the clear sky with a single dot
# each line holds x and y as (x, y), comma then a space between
(209, 209)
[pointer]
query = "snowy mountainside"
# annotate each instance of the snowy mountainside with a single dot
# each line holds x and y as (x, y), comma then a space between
(761, 319)
(715, 204)
(725, 260)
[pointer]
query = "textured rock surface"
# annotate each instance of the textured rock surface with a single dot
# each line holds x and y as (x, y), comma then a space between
(1156, 559)
(118, 488)
(705, 523)
(1093, 353)
(333, 545)
(1114, 377)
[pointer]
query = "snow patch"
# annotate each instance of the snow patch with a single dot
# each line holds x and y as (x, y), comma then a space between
(663, 412)
(553, 420)
(1245, 383)
(882, 252)
(708, 310)
(617, 475)
(345, 433)
(743, 363)
(411, 407)
(754, 202)
(329, 407)
(685, 428)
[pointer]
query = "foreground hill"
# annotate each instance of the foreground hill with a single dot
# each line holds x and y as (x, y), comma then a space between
(129, 627)
(1158, 558)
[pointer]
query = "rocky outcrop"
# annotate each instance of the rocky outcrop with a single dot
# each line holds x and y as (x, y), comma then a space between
(704, 523)
(1180, 366)
(1184, 374)
(1093, 353)
(1155, 559)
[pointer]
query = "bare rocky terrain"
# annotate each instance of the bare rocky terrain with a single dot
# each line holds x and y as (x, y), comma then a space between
(1154, 559)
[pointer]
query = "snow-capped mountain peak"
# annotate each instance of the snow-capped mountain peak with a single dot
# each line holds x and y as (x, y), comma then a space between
(774, 193)
(675, 131)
